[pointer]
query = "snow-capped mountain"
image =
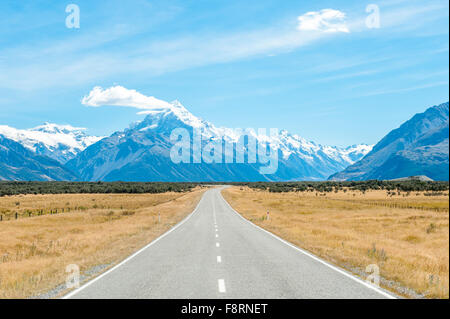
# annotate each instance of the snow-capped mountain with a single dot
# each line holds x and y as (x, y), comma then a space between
(60, 142)
(142, 153)
(420, 146)
(18, 163)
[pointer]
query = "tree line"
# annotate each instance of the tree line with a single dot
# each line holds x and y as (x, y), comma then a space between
(16, 188)
(330, 186)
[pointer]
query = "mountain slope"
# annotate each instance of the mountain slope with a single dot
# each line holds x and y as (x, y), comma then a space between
(142, 153)
(60, 142)
(418, 147)
(21, 164)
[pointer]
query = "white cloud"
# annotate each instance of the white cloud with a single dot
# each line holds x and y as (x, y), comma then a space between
(326, 20)
(120, 96)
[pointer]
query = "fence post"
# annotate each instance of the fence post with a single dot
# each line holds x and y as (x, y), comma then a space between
(268, 215)
(16, 215)
(1, 218)
(159, 217)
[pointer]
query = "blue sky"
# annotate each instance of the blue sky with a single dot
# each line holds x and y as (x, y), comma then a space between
(235, 64)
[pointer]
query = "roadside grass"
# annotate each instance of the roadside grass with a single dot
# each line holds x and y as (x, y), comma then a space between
(98, 229)
(406, 236)
(37, 205)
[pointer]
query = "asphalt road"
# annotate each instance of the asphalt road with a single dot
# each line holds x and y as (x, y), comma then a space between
(215, 253)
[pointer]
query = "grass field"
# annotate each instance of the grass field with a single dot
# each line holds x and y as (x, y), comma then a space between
(406, 234)
(89, 230)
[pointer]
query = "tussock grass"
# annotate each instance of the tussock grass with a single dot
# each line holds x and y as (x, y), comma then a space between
(406, 236)
(98, 229)
(37, 205)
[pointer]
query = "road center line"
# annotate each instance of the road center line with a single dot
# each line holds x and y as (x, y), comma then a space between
(222, 288)
(217, 235)
(219, 259)
(214, 212)
(217, 245)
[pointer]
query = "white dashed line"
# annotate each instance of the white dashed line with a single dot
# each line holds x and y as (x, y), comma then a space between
(219, 259)
(214, 212)
(217, 235)
(217, 245)
(222, 288)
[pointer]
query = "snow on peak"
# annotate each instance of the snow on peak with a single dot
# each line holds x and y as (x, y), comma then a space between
(56, 128)
(360, 148)
(60, 142)
(185, 116)
(288, 144)
(176, 109)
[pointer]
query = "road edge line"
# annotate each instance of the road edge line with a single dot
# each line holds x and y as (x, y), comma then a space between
(90, 282)
(341, 271)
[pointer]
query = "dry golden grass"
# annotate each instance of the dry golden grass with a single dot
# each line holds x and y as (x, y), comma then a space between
(35, 204)
(406, 236)
(99, 229)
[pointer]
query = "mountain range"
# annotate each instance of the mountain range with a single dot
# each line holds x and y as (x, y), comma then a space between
(420, 146)
(20, 163)
(59, 142)
(142, 152)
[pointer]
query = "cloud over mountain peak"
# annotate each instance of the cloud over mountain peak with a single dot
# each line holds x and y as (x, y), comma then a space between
(120, 96)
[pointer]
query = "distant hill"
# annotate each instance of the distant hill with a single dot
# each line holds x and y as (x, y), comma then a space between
(421, 178)
(20, 164)
(419, 146)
